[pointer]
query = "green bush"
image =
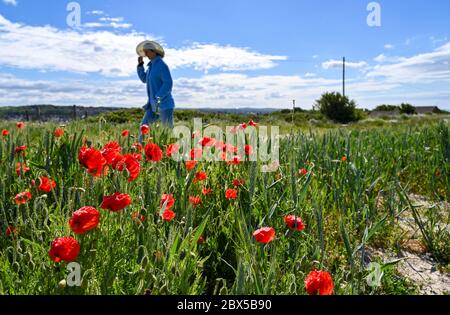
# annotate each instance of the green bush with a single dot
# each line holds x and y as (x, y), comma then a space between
(386, 108)
(407, 109)
(338, 108)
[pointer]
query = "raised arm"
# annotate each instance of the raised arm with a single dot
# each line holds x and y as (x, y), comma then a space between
(141, 71)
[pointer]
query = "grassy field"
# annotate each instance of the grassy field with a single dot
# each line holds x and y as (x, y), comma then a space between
(332, 177)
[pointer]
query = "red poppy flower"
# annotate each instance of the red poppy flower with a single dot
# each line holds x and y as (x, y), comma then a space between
(10, 230)
(206, 191)
(46, 184)
(238, 182)
(23, 198)
(303, 172)
(145, 129)
(116, 202)
(93, 160)
(167, 198)
(252, 123)
(21, 149)
(110, 151)
(84, 219)
(64, 248)
(168, 215)
(58, 133)
(21, 169)
(264, 235)
(319, 282)
(243, 126)
(248, 149)
(236, 160)
(133, 166)
(231, 194)
(153, 152)
(129, 162)
(294, 223)
(125, 133)
(137, 146)
(172, 148)
(20, 125)
(190, 165)
(344, 158)
(137, 156)
(200, 176)
(5, 132)
(195, 201)
(207, 142)
(196, 154)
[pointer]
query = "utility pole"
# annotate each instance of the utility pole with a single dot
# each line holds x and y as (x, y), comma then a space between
(293, 111)
(38, 113)
(74, 112)
(343, 76)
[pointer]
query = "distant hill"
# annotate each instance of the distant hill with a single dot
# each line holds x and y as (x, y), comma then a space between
(66, 113)
(242, 111)
(51, 112)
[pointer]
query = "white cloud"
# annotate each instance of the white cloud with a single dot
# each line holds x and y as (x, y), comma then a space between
(11, 2)
(389, 46)
(105, 25)
(338, 64)
(108, 22)
(422, 68)
(382, 58)
(110, 19)
(205, 57)
(310, 75)
(219, 90)
(111, 54)
(438, 41)
(96, 12)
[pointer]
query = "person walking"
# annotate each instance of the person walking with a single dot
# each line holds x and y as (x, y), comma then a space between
(157, 77)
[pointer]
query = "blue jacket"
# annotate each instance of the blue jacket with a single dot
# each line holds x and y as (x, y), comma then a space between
(159, 83)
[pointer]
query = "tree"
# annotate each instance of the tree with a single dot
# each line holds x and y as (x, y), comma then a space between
(408, 109)
(386, 108)
(337, 107)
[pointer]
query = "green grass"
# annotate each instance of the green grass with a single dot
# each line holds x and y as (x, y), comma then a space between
(336, 200)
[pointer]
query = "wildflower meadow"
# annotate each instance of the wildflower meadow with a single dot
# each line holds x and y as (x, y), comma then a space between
(135, 221)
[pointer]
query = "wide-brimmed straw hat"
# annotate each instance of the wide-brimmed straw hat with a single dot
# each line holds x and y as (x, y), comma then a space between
(149, 45)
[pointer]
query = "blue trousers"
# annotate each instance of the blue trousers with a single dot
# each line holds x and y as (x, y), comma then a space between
(166, 116)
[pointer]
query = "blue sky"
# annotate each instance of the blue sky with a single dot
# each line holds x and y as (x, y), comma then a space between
(232, 53)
